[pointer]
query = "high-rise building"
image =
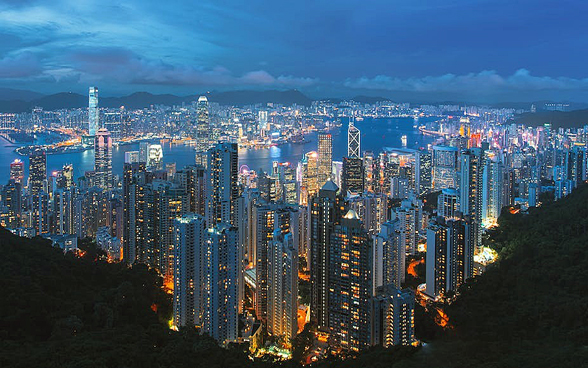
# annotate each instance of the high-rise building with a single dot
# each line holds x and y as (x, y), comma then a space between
(310, 185)
(492, 189)
(192, 179)
(426, 170)
(350, 285)
(155, 157)
(190, 269)
(263, 125)
(37, 172)
(393, 317)
(472, 191)
(282, 293)
(326, 211)
(448, 203)
(352, 179)
(17, 171)
(222, 189)
(103, 159)
(12, 199)
(389, 256)
(450, 256)
(325, 158)
(203, 133)
(136, 208)
(93, 112)
(353, 141)
(445, 167)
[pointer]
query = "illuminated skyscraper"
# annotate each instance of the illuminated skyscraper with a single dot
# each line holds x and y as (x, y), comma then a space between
(93, 112)
(352, 179)
(17, 171)
(155, 157)
(310, 184)
(444, 167)
(203, 141)
(353, 141)
(326, 211)
(389, 258)
(448, 203)
(37, 172)
(325, 158)
(135, 210)
(393, 317)
(349, 284)
(263, 125)
(103, 159)
(472, 190)
(222, 189)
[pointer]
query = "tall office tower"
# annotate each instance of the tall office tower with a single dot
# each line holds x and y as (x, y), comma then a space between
(189, 301)
(193, 180)
(393, 317)
(168, 201)
(445, 167)
(222, 189)
(448, 203)
(268, 218)
(389, 257)
(326, 211)
(409, 214)
(398, 162)
(170, 169)
(426, 170)
(93, 112)
(262, 119)
(286, 174)
(369, 170)
(450, 256)
(223, 267)
(155, 157)
(353, 141)
(37, 172)
(143, 152)
(492, 189)
(40, 207)
(12, 199)
(471, 191)
(64, 211)
(136, 241)
(350, 285)
(508, 187)
(17, 171)
(371, 208)
(203, 142)
(103, 159)
(352, 180)
(325, 158)
(66, 180)
(310, 185)
(575, 164)
(282, 293)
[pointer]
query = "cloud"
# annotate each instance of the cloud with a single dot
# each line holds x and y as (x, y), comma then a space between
(123, 66)
(487, 81)
(20, 66)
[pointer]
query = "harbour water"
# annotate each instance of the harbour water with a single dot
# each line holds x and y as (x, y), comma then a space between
(375, 134)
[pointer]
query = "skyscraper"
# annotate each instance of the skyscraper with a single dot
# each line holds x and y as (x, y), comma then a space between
(389, 257)
(471, 191)
(352, 179)
(136, 241)
(203, 141)
(37, 172)
(17, 171)
(326, 211)
(325, 158)
(222, 190)
(448, 203)
(103, 159)
(349, 285)
(444, 167)
(155, 157)
(353, 141)
(93, 112)
(393, 317)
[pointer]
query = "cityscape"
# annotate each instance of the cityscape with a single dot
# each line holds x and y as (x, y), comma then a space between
(251, 219)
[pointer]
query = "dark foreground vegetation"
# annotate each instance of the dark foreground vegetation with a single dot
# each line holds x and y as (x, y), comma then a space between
(528, 310)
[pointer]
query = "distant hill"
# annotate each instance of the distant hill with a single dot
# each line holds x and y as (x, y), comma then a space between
(558, 119)
(139, 100)
(11, 94)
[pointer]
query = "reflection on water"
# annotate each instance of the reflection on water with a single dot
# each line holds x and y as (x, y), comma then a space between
(375, 134)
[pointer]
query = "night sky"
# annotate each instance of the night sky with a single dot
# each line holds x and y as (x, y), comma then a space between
(489, 51)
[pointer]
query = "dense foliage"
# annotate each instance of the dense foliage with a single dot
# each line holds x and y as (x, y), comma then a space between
(527, 310)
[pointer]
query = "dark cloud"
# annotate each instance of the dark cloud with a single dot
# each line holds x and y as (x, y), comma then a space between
(25, 65)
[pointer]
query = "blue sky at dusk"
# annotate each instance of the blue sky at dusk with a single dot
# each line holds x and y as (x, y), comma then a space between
(414, 49)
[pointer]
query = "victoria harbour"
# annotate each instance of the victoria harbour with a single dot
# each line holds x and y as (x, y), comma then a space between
(376, 134)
